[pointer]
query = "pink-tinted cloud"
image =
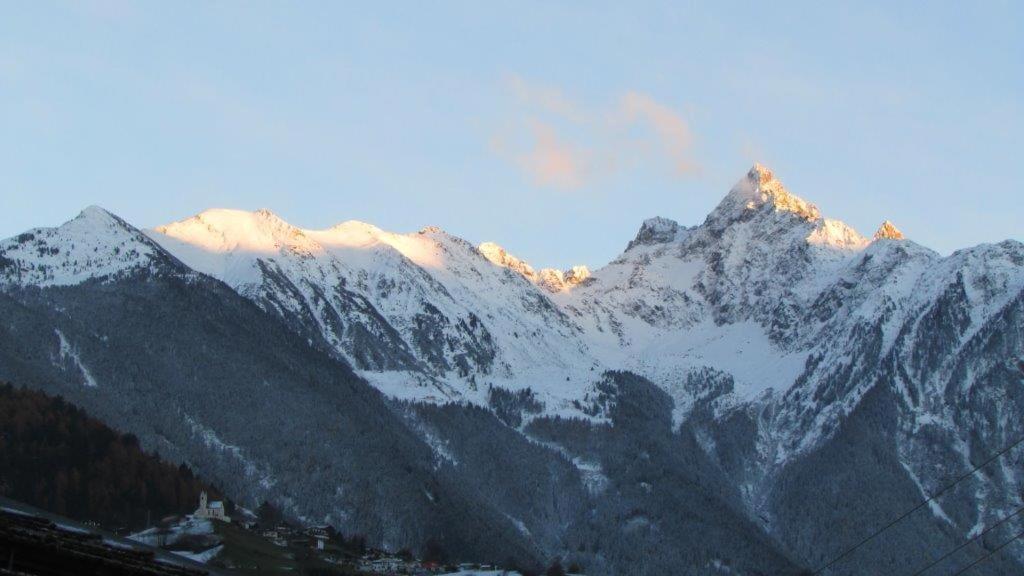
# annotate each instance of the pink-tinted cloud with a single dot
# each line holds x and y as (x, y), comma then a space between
(560, 150)
(551, 161)
(673, 132)
(546, 98)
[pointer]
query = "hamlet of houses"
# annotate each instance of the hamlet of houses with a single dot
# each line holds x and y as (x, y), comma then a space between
(327, 544)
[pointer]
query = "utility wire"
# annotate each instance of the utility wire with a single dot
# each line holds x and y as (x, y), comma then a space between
(986, 556)
(947, 488)
(968, 542)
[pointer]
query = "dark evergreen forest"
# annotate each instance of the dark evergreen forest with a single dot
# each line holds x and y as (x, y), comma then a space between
(56, 457)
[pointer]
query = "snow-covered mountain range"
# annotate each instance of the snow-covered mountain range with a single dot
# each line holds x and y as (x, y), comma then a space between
(424, 316)
(774, 333)
(762, 286)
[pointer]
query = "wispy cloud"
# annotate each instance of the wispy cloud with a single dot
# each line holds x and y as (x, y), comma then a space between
(673, 132)
(561, 143)
(552, 161)
(546, 98)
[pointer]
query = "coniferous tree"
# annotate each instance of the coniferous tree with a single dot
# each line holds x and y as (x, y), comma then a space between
(55, 457)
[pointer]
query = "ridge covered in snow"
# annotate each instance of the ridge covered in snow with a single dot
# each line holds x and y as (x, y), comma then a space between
(551, 279)
(764, 286)
(500, 257)
(94, 244)
(656, 230)
(766, 291)
(424, 316)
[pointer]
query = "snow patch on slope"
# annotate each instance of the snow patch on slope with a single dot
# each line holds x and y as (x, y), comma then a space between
(932, 504)
(213, 442)
(67, 351)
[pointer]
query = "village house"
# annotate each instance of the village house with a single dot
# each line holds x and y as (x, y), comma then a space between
(384, 565)
(211, 510)
(275, 536)
(318, 537)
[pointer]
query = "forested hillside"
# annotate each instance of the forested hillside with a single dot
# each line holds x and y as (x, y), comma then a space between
(56, 457)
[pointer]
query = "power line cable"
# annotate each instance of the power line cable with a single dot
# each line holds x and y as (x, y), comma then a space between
(968, 542)
(986, 556)
(947, 488)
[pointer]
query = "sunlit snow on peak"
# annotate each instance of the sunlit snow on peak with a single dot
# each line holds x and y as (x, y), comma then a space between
(761, 188)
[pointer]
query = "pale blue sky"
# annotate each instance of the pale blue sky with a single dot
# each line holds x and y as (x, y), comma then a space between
(551, 128)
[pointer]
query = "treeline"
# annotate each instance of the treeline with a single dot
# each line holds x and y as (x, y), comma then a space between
(509, 406)
(55, 457)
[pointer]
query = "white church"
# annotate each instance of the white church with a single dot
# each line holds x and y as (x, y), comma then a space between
(212, 510)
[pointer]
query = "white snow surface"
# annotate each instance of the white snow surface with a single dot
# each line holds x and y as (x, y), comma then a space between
(403, 277)
(68, 352)
(202, 557)
(766, 290)
(169, 535)
(95, 244)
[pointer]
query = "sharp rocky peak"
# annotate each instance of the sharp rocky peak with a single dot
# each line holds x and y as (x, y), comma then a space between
(432, 230)
(888, 231)
(761, 190)
(656, 230)
(554, 280)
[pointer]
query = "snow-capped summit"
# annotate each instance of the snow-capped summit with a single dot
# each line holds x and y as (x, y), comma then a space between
(554, 280)
(577, 274)
(655, 230)
(888, 231)
(354, 231)
(225, 243)
(94, 213)
(222, 230)
(93, 245)
(760, 189)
